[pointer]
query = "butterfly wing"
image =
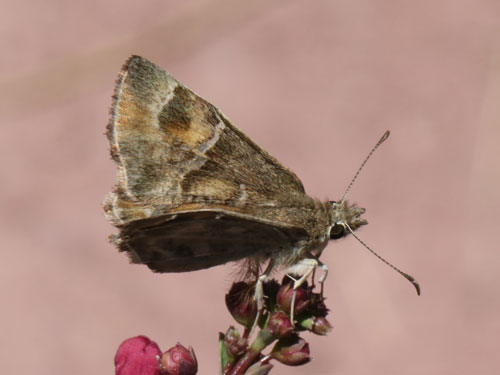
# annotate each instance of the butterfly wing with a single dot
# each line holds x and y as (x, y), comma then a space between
(190, 241)
(178, 155)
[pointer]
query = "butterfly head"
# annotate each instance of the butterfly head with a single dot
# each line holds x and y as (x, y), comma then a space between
(344, 219)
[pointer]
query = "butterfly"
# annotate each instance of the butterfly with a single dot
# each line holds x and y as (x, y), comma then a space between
(193, 191)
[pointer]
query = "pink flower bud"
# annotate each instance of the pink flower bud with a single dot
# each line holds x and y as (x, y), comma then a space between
(285, 295)
(179, 361)
(293, 351)
(279, 324)
(241, 303)
(137, 356)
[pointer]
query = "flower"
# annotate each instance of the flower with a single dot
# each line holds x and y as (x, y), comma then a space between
(317, 325)
(292, 351)
(137, 356)
(179, 361)
(241, 303)
(279, 324)
(285, 295)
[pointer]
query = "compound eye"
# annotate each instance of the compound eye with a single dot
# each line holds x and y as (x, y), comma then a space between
(337, 231)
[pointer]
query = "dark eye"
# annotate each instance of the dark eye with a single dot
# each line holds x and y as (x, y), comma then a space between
(337, 231)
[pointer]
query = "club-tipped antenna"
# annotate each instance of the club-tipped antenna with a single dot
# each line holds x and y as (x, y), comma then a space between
(410, 278)
(380, 141)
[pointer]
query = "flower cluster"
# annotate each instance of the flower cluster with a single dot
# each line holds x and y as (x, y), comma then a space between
(238, 356)
(238, 353)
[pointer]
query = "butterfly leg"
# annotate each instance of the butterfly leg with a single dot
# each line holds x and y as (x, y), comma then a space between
(305, 268)
(323, 277)
(259, 293)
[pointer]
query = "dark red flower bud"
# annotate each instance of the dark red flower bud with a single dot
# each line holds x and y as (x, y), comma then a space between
(137, 356)
(285, 295)
(292, 351)
(279, 324)
(241, 303)
(179, 361)
(319, 325)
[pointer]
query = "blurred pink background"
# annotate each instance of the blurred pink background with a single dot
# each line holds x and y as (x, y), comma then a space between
(316, 84)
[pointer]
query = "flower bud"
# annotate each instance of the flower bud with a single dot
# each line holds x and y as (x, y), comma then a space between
(279, 324)
(241, 303)
(317, 325)
(321, 326)
(137, 356)
(179, 361)
(292, 351)
(285, 295)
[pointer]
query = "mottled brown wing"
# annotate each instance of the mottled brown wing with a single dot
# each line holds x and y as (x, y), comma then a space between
(193, 191)
(177, 152)
(191, 241)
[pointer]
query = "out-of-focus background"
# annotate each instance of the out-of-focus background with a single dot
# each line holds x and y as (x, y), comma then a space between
(315, 83)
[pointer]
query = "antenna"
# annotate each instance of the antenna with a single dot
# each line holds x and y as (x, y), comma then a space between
(380, 141)
(410, 278)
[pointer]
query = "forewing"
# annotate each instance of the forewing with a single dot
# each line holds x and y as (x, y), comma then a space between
(173, 148)
(191, 241)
